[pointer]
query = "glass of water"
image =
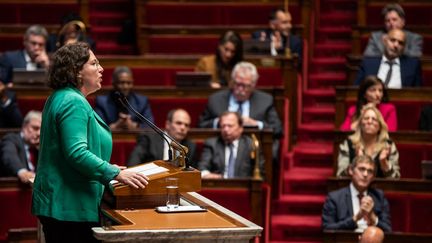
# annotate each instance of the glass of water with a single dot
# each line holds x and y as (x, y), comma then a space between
(173, 196)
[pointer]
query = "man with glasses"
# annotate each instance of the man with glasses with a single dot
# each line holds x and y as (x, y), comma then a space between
(32, 57)
(357, 206)
(255, 107)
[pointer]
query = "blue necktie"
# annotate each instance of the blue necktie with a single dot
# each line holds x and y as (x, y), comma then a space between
(231, 161)
(240, 108)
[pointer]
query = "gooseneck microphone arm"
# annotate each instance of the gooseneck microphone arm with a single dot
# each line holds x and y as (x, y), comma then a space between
(123, 100)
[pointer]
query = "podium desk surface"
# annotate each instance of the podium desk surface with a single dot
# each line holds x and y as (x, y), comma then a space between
(218, 224)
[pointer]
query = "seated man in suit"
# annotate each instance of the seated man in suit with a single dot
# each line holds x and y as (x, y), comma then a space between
(32, 57)
(357, 206)
(113, 112)
(150, 146)
(229, 155)
(256, 107)
(10, 114)
(394, 18)
(395, 69)
(279, 34)
(18, 151)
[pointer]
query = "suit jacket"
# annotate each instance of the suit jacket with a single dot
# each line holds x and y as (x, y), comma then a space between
(338, 210)
(413, 44)
(213, 157)
(295, 43)
(425, 123)
(410, 68)
(150, 147)
(108, 108)
(12, 155)
(387, 110)
(10, 115)
(261, 108)
(73, 165)
(10, 60)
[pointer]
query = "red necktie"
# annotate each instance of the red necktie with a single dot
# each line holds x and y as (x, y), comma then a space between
(33, 156)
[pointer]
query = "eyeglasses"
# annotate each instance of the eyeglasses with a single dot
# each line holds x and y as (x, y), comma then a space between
(242, 85)
(363, 170)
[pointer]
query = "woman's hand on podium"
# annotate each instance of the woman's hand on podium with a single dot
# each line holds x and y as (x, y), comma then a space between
(131, 178)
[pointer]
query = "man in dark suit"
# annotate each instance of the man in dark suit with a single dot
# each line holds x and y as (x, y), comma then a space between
(10, 115)
(113, 112)
(151, 146)
(18, 151)
(256, 107)
(229, 155)
(395, 69)
(279, 34)
(357, 206)
(32, 57)
(394, 18)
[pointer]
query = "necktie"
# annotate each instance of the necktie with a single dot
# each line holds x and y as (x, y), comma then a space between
(360, 196)
(231, 161)
(389, 73)
(33, 156)
(240, 107)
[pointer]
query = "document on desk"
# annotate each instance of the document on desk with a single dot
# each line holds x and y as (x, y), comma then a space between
(147, 169)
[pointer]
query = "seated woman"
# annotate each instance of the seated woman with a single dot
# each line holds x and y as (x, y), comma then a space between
(371, 91)
(72, 30)
(228, 53)
(370, 138)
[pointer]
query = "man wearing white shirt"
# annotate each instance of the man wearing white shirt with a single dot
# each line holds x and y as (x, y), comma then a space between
(228, 155)
(32, 57)
(357, 206)
(395, 69)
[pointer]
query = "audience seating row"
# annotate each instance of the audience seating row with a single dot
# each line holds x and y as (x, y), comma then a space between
(413, 147)
(189, 14)
(418, 12)
(42, 12)
(408, 101)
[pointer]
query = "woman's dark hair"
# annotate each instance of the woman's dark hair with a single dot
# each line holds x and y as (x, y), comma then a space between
(67, 63)
(369, 81)
(233, 37)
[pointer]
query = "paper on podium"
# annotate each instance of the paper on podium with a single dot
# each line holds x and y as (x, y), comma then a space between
(147, 169)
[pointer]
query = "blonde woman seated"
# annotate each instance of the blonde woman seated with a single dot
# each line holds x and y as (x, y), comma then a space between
(371, 138)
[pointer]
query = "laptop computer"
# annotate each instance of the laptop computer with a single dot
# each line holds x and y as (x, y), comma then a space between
(23, 76)
(192, 79)
(426, 166)
(251, 46)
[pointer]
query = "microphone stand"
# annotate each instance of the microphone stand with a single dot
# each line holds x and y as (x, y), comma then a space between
(182, 160)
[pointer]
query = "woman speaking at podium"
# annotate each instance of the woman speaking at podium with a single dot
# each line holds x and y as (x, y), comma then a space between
(75, 148)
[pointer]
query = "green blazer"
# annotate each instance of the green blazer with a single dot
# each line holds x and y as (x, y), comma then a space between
(73, 167)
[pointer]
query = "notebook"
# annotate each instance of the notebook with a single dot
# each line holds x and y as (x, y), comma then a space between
(192, 79)
(23, 76)
(427, 169)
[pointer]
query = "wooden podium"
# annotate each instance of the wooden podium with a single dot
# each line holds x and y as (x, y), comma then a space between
(130, 215)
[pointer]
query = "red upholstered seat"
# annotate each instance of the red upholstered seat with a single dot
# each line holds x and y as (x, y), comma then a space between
(148, 76)
(212, 13)
(195, 106)
(35, 12)
(15, 210)
(415, 13)
(410, 212)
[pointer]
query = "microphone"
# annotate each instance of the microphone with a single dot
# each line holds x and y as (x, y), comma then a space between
(123, 100)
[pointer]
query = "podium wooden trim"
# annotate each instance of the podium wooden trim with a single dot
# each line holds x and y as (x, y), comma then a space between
(234, 228)
(125, 197)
